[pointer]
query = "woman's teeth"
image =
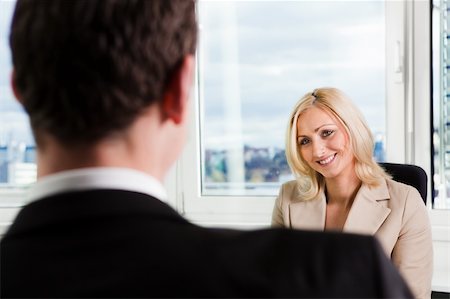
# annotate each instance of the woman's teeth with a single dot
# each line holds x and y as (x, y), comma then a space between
(327, 160)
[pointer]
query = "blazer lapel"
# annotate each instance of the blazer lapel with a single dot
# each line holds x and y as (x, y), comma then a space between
(369, 210)
(308, 214)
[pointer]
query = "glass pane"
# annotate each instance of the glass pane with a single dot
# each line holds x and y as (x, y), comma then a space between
(17, 148)
(441, 105)
(257, 58)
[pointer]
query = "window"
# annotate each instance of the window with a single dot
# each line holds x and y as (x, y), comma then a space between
(256, 60)
(17, 149)
(441, 104)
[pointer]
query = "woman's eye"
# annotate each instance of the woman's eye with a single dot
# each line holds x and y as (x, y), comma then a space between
(327, 133)
(303, 141)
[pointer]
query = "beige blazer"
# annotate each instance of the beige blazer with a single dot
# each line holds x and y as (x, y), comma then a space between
(393, 212)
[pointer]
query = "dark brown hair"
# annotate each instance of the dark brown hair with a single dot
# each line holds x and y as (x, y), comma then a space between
(86, 68)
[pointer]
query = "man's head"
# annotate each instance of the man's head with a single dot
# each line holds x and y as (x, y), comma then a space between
(85, 69)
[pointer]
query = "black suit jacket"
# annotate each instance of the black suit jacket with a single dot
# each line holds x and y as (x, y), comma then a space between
(110, 243)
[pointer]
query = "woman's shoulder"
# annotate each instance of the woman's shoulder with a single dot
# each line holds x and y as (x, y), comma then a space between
(290, 193)
(403, 194)
(396, 186)
(289, 184)
(289, 187)
(289, 190)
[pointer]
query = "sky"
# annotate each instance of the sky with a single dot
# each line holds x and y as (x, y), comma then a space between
(14, 122)
(256, 59)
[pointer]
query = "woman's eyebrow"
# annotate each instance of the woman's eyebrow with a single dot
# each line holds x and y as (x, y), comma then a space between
(318, 128)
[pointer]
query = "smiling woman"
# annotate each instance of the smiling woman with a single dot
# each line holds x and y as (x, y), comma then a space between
(340, 187)
(326, 132)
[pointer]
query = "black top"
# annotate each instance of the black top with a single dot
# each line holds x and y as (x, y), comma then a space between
(110, 243)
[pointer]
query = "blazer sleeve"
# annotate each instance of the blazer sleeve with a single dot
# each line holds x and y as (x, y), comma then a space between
(413, 251)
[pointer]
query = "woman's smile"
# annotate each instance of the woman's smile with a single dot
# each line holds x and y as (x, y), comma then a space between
(327, 161)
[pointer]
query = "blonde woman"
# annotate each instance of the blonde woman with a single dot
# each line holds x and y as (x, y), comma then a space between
(340, 187)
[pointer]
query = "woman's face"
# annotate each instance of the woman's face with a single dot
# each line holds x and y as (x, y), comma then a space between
(323, 143)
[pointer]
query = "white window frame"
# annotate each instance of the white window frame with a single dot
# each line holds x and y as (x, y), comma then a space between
(419, 141)
(256, 211)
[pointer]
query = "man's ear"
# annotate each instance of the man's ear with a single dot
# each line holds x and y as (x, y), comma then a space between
(14, 87)
(178, 90)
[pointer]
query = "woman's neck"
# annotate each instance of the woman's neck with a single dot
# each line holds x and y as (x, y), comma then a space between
(342, 190)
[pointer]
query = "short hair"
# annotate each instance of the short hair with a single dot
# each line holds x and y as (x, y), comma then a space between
(361, 141)
(84, 69)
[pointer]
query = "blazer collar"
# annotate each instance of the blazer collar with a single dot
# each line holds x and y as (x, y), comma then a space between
(369, 210)
(308, 214)
(367, 214)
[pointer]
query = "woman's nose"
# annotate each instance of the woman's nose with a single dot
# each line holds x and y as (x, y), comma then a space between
(318, 148)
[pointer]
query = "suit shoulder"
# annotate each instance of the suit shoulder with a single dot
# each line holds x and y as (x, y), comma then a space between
(289, 187)
(289, 184)
(319, 239)
(401, 191)
(404, 197)
(288, 192)
(395, 185)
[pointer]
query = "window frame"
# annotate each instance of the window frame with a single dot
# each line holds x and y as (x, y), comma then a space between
(256, 211)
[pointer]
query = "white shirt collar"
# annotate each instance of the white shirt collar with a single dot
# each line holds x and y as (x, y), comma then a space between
(97, 178)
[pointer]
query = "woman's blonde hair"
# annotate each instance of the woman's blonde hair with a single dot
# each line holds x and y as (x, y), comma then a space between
(361, 141)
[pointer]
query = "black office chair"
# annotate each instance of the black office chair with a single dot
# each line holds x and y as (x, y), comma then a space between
(412, 175)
